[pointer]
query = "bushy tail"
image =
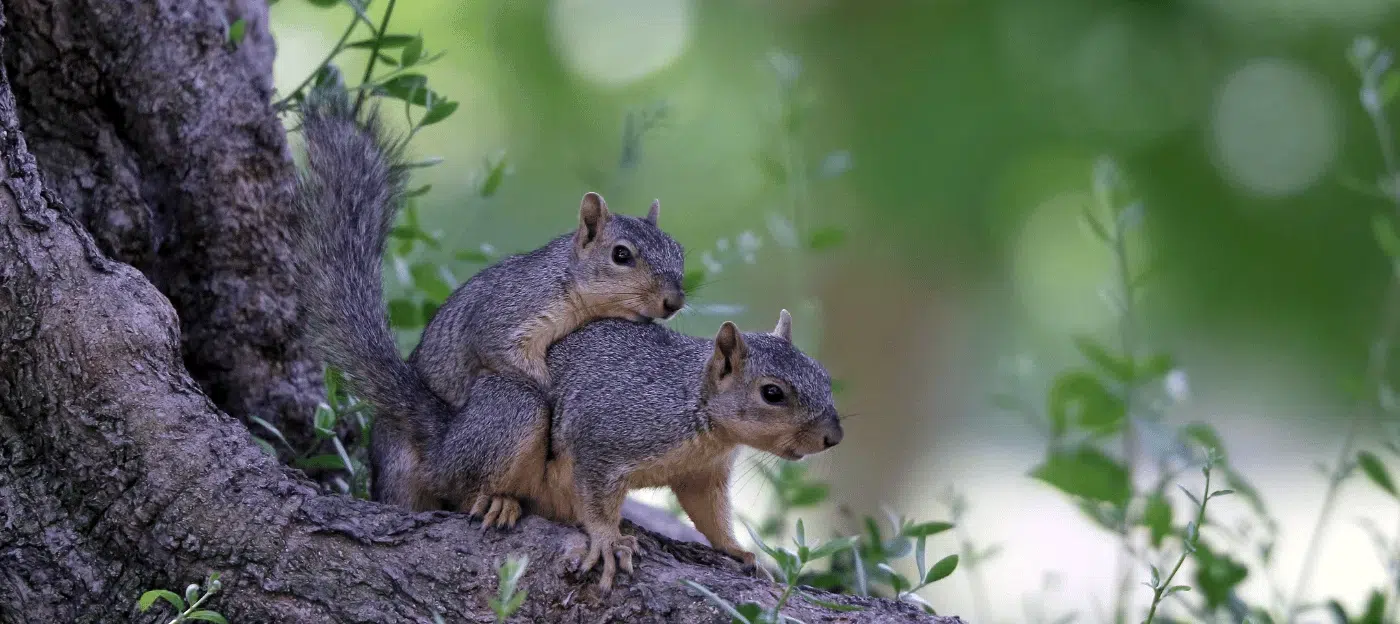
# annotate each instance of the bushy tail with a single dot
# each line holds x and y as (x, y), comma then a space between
(348, 196)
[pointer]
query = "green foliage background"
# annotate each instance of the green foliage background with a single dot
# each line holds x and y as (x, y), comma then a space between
(956, 248)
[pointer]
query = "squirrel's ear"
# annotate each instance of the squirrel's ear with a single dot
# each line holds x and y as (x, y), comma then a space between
(730, 353)
(784, 328)
(592, 214)
(654, 212)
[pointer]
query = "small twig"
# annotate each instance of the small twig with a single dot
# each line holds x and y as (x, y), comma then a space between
(374, 54)
(1193, 533)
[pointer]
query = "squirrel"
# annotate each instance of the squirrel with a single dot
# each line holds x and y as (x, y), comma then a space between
(638, 405)
(628, 404)
(501, 321)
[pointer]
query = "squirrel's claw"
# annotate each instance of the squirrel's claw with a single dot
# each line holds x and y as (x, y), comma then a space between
(750, 566)
(615, 552)
(479, 506)
(501, 512)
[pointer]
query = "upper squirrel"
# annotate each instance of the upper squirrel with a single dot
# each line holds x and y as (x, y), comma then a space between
(503, 319)
(506, 316)
(636, 405)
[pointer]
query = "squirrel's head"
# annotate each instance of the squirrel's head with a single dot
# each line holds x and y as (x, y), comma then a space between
(765, 393)
(624, 266)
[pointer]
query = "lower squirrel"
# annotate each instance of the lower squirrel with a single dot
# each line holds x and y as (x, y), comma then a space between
(634, 406)
(501, 321)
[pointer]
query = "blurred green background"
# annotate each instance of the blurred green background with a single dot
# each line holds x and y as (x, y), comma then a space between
(949, 145)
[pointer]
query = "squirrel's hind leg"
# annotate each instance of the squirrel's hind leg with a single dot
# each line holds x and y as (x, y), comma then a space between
(496, 448)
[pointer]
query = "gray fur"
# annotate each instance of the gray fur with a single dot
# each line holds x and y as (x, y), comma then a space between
(626, 393)
(469, 334)
(347, 202)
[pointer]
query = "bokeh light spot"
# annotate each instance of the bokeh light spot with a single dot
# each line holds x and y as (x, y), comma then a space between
(617, 42)
(1274, 129)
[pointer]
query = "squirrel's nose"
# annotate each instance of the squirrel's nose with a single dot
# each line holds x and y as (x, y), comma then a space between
(673, 304)
(833, 438)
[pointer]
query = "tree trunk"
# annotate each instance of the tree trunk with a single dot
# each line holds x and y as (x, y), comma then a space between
(161, 140)
(117, 473)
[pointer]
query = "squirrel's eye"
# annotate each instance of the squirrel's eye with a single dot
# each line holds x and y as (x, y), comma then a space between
(772, 394)
(622, 255)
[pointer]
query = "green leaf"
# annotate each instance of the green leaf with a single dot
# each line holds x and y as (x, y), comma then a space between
(1189, 494)
(404, 314)
(265, 446)
(412, 51)
(237, 31)
(473, 256)
(769, 550)
(1217, 575)
(329, 461)
(897, 580)
(1205, 435)
(919, 556)
(832, 547)
(271, 429)
(1375, 609)
(439, 111)
(515, 601)
(495, 174)
(826, 238)
(1087, 473)
(1376, 472)
(926, 529)
(808, 494)
(386, 41)
(192, 593)
(693, 279)
(324, 419)
(149, 598)
(834, 606)
(801, 533)
(1221, 493)
(1079, 398)
(751, 612)
(1384, 230)
(206, 616)
(418, 192)
(410, 88)
(428, 278)
(1155, 367)
(1389, 88)
(1157, 517)
(942, 569)
(1118, 368)
(430, 309)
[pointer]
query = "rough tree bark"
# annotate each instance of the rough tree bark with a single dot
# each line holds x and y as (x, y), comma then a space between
(161, 141)
(117, 472)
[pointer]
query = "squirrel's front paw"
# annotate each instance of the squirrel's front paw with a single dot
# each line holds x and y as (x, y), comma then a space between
(499, 511)
(750, 566)
(615, 551)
